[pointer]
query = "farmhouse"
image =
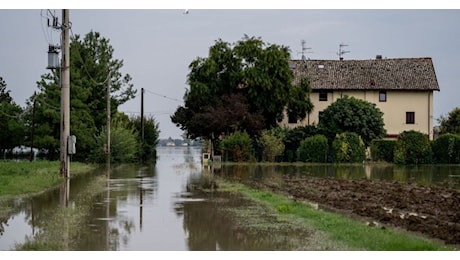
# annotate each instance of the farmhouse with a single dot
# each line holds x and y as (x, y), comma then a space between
(401, 88)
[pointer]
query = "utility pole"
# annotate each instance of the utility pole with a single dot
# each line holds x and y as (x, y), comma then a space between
(108, 127)
(65, 94)
(142, 115)
(33, 129)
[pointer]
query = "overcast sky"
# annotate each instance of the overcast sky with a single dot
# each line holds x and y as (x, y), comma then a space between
(157, 46)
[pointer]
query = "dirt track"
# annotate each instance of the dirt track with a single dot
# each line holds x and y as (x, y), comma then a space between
(430, 210)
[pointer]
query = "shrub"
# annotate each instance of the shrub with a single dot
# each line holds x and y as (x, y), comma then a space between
(313, 149)
(124, 146)
(382, 150)
(348, 147)
(446, 149)
(237, 146)
(272, 145)
(412, 147)
(293, 137)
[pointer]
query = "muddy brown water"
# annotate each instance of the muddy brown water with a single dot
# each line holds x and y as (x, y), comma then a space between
(156, 208)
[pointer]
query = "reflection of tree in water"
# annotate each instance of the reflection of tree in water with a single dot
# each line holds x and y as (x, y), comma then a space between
(7, 209)
(212, 225)
(189, 156)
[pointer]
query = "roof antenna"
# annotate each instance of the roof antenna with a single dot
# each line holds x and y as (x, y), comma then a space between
(341, 51)
(304, 50)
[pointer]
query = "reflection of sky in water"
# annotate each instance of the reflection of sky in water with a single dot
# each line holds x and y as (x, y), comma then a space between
(16, 230)
(150, 208)
(161, 227)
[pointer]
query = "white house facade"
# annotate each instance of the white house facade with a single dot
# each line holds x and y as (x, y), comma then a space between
(401, 88)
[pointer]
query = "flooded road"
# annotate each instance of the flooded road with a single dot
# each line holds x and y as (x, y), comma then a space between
(130, 211)
(157, 208)
(138, 208)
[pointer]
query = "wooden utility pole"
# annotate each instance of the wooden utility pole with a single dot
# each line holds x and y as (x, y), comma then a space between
(33, 129)
(142, 115)
(65, 95)
(108, 127)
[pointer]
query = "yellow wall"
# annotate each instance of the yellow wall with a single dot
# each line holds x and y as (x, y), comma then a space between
(394, 109)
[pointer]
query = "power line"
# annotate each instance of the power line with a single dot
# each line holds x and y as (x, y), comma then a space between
(151, 113)
(163, 96)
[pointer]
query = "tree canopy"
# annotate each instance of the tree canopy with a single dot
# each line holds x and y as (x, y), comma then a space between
(349, 114)
(92, 67)
(244, 86)
(11, 120)
(451, 124)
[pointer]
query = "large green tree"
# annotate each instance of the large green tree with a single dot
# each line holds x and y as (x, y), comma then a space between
(11, 120)
(349, 114)
(244, 86)
(92, 68)
(451, 124)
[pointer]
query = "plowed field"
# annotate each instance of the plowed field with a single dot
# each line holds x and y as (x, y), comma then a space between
(430, 210)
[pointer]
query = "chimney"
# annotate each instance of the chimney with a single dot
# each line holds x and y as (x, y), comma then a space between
(378, 57)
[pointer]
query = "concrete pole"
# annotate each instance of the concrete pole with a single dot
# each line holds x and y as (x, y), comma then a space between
(65, 95)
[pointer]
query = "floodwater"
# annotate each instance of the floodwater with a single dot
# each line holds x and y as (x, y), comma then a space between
(157, 208)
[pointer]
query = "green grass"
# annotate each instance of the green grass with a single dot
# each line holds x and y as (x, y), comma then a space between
(336, 227)
(24, 177)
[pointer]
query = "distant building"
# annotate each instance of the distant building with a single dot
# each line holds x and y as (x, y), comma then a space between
(401, 88)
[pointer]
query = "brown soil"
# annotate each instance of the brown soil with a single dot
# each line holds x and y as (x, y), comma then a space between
(433, 211)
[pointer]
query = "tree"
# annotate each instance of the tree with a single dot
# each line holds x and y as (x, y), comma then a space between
(313, 149)
(412, 147)
(451, 124)
(251, 78)
(147, 150)
(237, 146)
(12, 128)
(348, 147)
(272, 144)
(92, 67)
(349, 114)
(299, 105)
(4, 94)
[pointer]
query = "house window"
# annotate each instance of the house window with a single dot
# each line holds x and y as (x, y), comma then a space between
(410, 117)
(323, 96)
(383, 96)
(292, 119)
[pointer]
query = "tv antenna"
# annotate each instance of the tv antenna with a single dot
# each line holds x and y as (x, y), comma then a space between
(304, 50)
(341, 51)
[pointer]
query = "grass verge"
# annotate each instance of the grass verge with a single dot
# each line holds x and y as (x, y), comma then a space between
(25, 178)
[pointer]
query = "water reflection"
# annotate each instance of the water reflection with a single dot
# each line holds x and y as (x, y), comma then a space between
(445, 175)
(164, 206)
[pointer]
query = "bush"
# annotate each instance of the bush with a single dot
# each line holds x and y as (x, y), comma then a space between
(446, 149)
(348, 147)
(382, 150)
(124, 146)
(272, 145)
(293, 137)
(237, 146)
(412, 147)
(313, 149)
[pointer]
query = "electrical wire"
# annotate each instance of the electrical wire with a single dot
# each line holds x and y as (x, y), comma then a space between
(47, 34)
(163, 96)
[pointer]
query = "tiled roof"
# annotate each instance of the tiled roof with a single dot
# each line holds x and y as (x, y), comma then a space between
(376, 74)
